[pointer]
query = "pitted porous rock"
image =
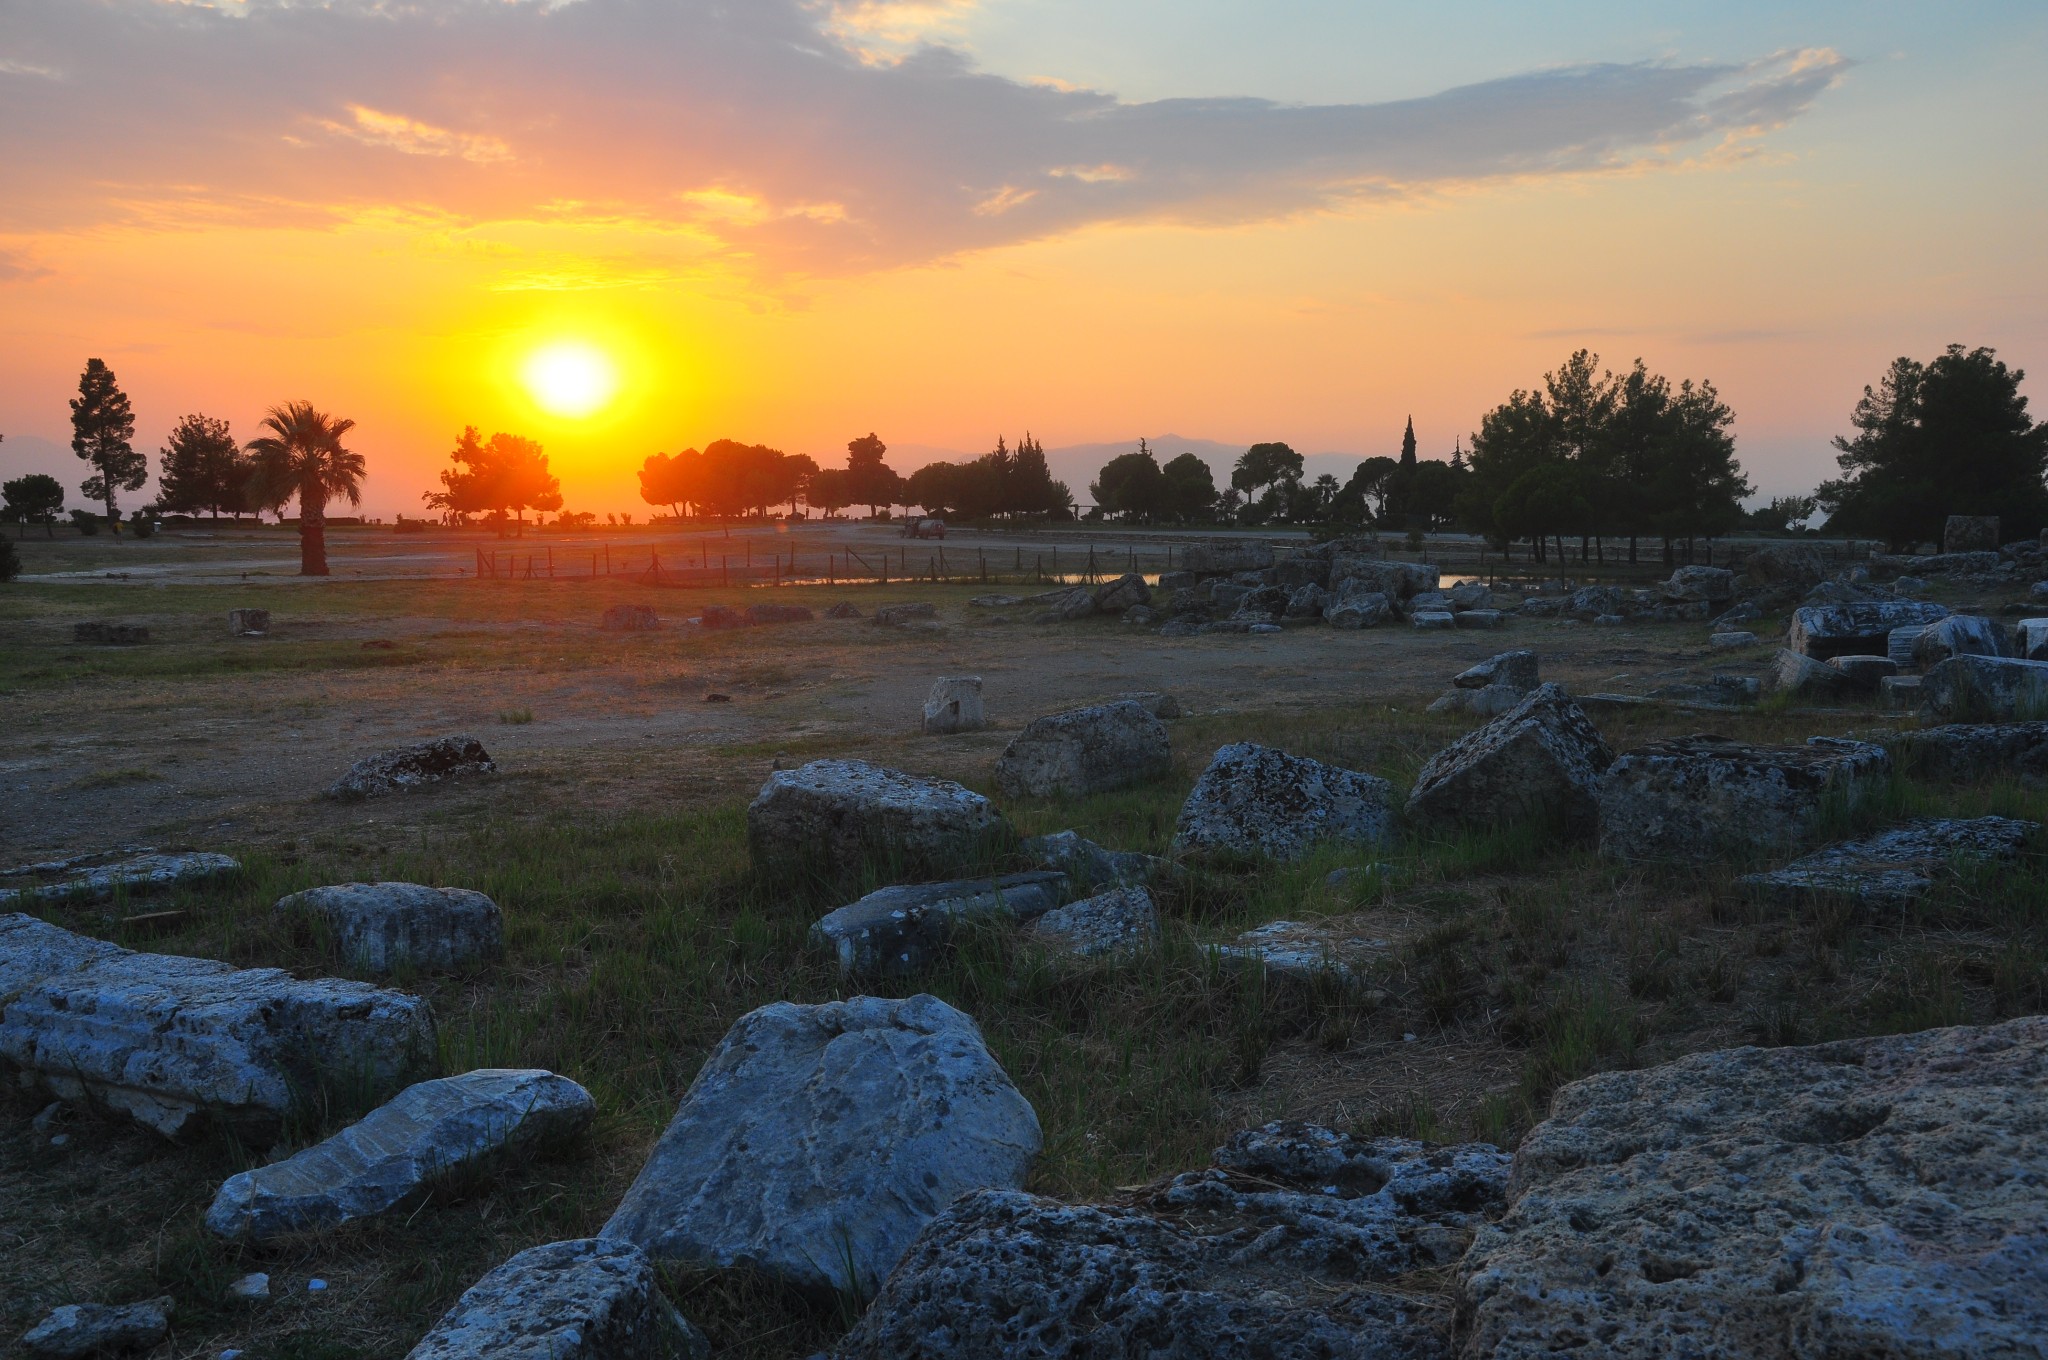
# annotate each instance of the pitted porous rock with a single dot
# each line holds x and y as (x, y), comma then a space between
(1116, 922)
(1987, 687)
(582, 1300)
(413, 767)
(95, 878)
(1705, 797)
(379, 926)
(1085, 751)
(1959, 635)
(1895, 868)
(1088, 865)
(1114, 597)
(1254, 800)
(1872, 1197)
(1518, 670)
(818, 1141)
(1354, 606)
(1279, 1252)
(1968, 752)
(837, 816)
(1822, 631)
(173, 1042)
(80, 1330)
(1541, 759)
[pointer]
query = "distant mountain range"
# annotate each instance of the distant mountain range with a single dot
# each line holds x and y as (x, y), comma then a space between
(1078, 464)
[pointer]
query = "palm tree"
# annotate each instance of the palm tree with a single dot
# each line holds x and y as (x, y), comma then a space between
(303, 457)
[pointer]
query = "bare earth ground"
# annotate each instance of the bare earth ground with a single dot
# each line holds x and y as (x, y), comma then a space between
(636, 933)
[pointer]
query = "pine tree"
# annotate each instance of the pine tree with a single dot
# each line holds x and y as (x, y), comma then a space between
(101, 426)
(201, 467)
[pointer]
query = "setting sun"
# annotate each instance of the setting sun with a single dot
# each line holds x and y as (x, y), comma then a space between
(571, 378)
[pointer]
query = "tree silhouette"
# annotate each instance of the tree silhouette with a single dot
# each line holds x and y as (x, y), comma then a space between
(201, 467)
(303, 457)
(37, 498)
(102, 423)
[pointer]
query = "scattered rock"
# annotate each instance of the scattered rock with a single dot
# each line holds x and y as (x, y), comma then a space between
(1970, 534)
(168, 1040)
(1223, 556)
(714, 697)
(380, 926)
(845, 609)
(779, 613)
(1900, 691)
(1894, 868)
(1433, 619)
(1260, 1257)
(394, 1156)
(96, 878)
(1307, 601)
(903, 929)
(1088, 865)
(1479, 618)
(1823, 631)
(995, 601)
(1395, 580)
(721, 617)
(1729, 641)
(1470, 595)
(1517, 670)
(1958, 635)
(1299, 951)
(1178, 580)
(1588, 603)
(1706, 585)
(1871, 1197)
(2030, 637)
(1142, 616)
(1114, 597)
(251, 1288)
(954, 705)
(584, 1300)
(836, 817)
(1161, 706)
(413, 767)
(1114, 922)
(114, 634)
(1541, 759)
(1085, 751)
(817, 1141)
(1804, 678)
(896, 615)
(249, 622)
(630, 618)
(1701, 798)
(1358, 609)
(1864, 673)
(1264, 604)
(77, 1330)
(1490, 702)
(1969, 753)
(1255, 800)
(1796, 566)
(1077, 603)
(1980, 687)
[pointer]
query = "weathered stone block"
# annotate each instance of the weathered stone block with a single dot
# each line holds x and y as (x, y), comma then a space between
(1085, 751)
(954, 705)
(1703, 798)
(1541, 759)
(1254, 800)
(580, 1300)
(414, 767)
(903, 929)
(379, 927)
(837, 818)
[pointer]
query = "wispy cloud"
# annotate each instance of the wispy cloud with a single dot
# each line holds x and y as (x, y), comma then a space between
(803, 136)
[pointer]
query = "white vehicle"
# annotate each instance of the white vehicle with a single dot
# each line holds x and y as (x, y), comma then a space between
(924, 528)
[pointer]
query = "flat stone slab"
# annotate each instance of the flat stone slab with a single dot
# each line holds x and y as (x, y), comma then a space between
(1085, 751)
(582, 1300)
(1119, 921)
(1980, 688)
(78, 1330)
(1259, 1257)
(1822, 631)
(905, 928)
(1872, 1197)
(837, 818)
(1898, 867)
(1255, 800)
(172, 1042)
(379, 927)
(818, 1141)
(1703, 797)
(1299, 950)
(95, 878)
(414, 767)
(395, 1154)
(1974, 752)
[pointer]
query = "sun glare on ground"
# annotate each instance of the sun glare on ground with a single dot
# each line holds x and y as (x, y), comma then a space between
(571, 378)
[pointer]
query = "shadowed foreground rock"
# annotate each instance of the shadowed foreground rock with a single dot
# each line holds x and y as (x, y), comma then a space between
(1968, 752)
(396, 1153)
(1085, 751)
(1541, 759)
(1088, 865)
(582, 1300)
(379, 926)
(1272, 1254)
(95, 878)
(1874, 1197)
(1254, 800)
(78, 1330)
(817, 1141)
(413, 767)
(836, 817)
(166, 1039)
(1706, 797)
(1895, 868)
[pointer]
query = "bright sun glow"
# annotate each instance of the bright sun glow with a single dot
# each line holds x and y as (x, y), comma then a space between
(571, 378)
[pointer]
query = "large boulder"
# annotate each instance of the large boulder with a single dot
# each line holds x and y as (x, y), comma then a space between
(1307, 601)
(1115, 922)
(1970, 533)
(1114, 597)
(249, 622)
(1864, 674)
(1967, 753)
(1265, 604)
(1795, 566)
(1255, 800)
(1077, 603)
(379, 927)
(77, 1331)
(1958, 635)
(817, 1141)
(1085, 751)
(954, 705)
(1541, 759)
(1822, 631)
(1987, 687)
(175, 1042)
(1701, 798)
(2030, 637)
(1490, 702)
(397, 1153)
(1704, 585)
(836, 818)
(1220, 557)
(414, 767)
(1802, 677)
(1870, 1197)
(95, 878)
(1518, 670)
(1396, 580)
(1898, 867)
(902, 929)
(1588, 603)
(581, 1300)
(1358, 607)
(1260, 1257)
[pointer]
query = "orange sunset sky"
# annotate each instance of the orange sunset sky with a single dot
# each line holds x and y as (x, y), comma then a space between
(794, 221)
